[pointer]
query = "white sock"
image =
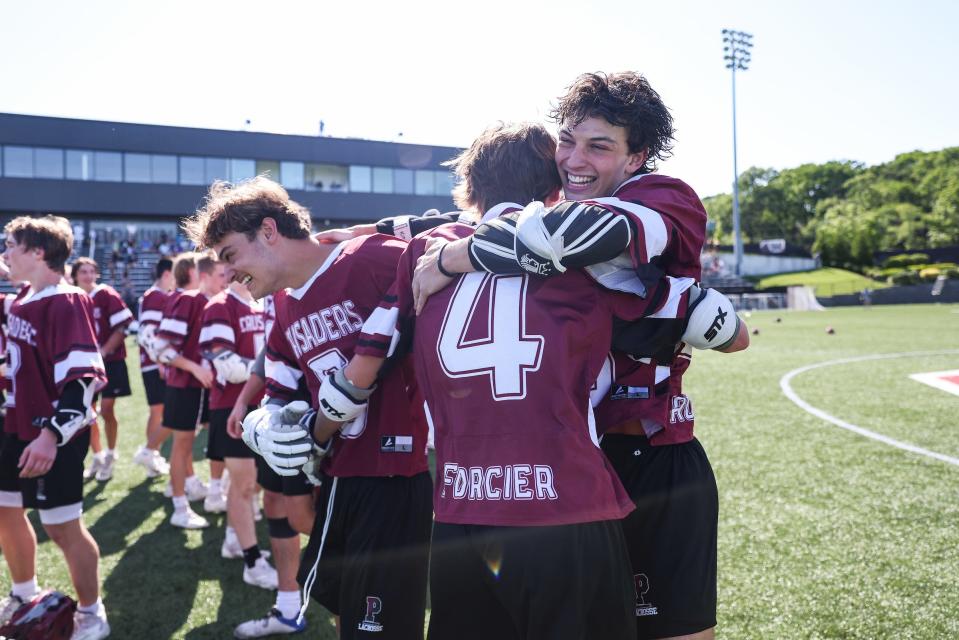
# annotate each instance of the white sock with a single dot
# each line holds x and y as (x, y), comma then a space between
(100, 456)
(180, 503)
(93, 608)
(25, 590)
(288, 603)
(215, 486)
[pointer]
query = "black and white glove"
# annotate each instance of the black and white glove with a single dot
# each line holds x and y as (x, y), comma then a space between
(711, 320)
(340, 400)
(275, 433)
(230, 367)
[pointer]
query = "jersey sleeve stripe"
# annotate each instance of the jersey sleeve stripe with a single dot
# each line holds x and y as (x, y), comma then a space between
(653, 227)
(282, 374)
(77, 362)
(217, 333)
(174, 326)
(120, 317)
(151, 316)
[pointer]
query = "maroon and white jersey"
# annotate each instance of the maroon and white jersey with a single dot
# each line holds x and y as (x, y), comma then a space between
(152, 303)
(181, 328)
(6, 301)
(230, 322)
(269, 313)
(316, 332)
(50, 341)
(506, 364)
(674, 224)
(109, 314)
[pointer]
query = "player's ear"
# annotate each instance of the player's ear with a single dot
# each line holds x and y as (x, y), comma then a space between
(553, 197)
(635, 161)
(268, 229)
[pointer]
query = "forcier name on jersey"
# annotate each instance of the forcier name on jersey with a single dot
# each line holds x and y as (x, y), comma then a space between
(318, 328)
(499, 482)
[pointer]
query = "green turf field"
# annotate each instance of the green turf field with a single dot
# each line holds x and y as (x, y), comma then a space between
(823, 533)
(828, 281)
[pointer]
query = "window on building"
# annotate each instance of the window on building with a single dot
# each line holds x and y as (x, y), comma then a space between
(108, 166)
(192, 170)
(79, 165)
(403, 181)
(242, 169)
(270, 168)
(326, 177)
(163, 169)
(18, 162)
(425, 183)
(48, 163)
(291, 175)
(216, 169)
(360, 180)
(136, 167)
(444, 183)
(382, 180)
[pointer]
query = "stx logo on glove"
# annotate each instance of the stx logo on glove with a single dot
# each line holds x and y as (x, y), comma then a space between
(717, 324)
(328, 409)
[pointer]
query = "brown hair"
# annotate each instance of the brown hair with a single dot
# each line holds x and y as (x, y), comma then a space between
(75, 267)
(205, 262)
(626, 100)
(506, 163)
(182, 265)
(50, 233)
(242, 207)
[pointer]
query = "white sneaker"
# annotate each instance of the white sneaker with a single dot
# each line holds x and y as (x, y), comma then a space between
(90, 626)
(188, 519)
(152, 461)
(261, 574)
(195, 489)
(231, 549)
(95, 465)
(271, 624)
(10, 604)
(214, 503)
(105, 472)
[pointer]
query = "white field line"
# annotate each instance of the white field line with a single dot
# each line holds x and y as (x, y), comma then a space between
(819, 413)
(935, 379)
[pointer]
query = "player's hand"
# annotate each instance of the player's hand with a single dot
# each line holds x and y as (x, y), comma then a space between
(427, 278)
(333, 236)
(276, 434)
(203, 376)
(234, 421)
(37, 459)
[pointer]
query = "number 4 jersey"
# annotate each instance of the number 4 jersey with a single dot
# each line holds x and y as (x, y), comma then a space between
(316, 330)
(506, 364)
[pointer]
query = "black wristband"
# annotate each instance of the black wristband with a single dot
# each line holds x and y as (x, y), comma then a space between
(439, 264)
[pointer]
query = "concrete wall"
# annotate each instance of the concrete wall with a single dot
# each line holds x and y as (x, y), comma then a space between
(912, 294)
(758, 264)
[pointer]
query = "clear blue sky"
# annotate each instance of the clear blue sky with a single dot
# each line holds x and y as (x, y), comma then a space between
(829, 79)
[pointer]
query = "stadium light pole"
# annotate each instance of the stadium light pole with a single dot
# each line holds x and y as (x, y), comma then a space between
(736, 54)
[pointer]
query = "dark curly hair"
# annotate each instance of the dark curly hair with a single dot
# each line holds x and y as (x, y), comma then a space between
(623, 99)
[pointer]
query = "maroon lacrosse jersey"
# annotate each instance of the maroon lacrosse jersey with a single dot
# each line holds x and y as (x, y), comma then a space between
(109, 314)
(6, 301)
(181, 328)
(50, 341)
(506, 364)
(230, 322)
(316, 331)
(152, 303)
(669, 222)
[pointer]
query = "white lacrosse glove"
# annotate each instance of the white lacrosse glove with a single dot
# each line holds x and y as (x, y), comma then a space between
(339, 399)
(146, 338)
(230, 367)
(275, 433)
(711, 320)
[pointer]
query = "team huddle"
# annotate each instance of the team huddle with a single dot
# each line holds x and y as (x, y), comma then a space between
(536, 340)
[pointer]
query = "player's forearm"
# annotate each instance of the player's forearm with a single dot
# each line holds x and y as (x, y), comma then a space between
(114, 341)
(251, 389)
(362, 370)
(456, 257)
(180, 362)
(740, 342)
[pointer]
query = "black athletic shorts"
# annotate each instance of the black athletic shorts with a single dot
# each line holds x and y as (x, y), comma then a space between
(671, 535)
(154, 386)
(58, 494)
(219, 444)
(185, 407)
(118, 381)
(270, 480)
(520, 583)
(375, 538)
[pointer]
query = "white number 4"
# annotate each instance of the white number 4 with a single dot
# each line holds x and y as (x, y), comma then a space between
(504, 352)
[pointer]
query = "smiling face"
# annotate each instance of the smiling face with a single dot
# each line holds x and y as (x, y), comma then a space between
(248, 262)
(86, 277)
(593, 158)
